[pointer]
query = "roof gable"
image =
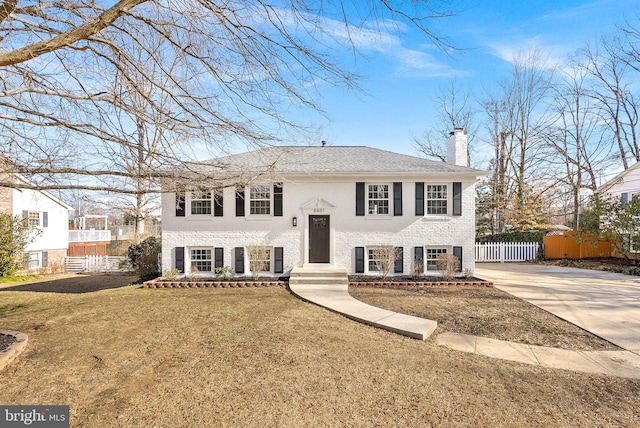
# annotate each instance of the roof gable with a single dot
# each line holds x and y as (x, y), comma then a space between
(618, 178)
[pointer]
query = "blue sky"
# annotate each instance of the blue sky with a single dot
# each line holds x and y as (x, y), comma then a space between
(402, 70)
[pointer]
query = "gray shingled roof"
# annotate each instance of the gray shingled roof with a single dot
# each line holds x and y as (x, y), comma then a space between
(330, 160)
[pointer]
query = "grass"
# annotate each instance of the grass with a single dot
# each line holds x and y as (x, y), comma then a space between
(18, 278)
(256, 357)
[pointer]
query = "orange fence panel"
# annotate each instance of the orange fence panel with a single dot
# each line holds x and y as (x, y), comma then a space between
(567, 247)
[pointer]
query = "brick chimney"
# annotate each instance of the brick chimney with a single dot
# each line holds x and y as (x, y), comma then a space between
(457, 148)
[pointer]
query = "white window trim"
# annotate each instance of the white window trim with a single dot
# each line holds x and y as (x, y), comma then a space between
(37, 259)
(191, 260)
(375, 215)
(449, 200)
(189, 199)
(39, 218)
(248, 201)
(426, 260)
(270, 259)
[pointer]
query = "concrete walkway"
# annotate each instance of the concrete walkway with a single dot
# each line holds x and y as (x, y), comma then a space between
(626, 364)
(336, 297)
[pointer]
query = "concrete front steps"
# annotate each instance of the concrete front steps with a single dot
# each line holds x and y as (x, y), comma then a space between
(329, 287)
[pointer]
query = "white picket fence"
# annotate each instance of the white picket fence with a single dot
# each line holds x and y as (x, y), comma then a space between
(95, 264)
(506, 251)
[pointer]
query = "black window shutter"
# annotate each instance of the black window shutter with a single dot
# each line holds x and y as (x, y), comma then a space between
(418, 255)
(359, 259)
(398, 265)
(278, 260)
(420, 199)
(180, 258)
(45, 258)
(360, 199)
(457, 199)
(240, 203)
(45, 219)
(397, 199)
(219, 257)
(457, 251)
(277, 199)
(239, 259)
(180, 202)
(218, 207)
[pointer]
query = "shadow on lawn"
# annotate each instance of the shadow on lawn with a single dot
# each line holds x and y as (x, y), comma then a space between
(75, 285)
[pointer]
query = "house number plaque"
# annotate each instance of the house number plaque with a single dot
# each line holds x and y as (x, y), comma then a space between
(318, 210)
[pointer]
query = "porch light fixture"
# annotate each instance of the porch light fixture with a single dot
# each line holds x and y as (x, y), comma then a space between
(294, 221)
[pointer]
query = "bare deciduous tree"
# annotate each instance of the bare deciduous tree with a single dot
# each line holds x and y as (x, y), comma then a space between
(202, 74)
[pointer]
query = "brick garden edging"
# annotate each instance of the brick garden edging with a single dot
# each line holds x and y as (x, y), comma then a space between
(15, 349)
(155, 283)
(158, 283)
(412, 284)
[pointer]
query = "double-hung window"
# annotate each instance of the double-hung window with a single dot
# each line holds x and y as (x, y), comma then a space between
(201, 259)
(260, 199)
(378, 199)
(436, 198)
(431, 259)
(34, 218)
(201, 202)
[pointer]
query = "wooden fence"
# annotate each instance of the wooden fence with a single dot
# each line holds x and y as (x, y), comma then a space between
(95, 264)
(568, 246)
(507, 251)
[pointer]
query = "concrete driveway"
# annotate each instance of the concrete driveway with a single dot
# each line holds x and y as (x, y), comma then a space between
(606, 304)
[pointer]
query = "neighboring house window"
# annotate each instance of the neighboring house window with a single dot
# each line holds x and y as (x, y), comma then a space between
(201, 202)
(431, 258)
(378, 199)
(260, 199)
(436, 197)
(201, 259)
(32, 260)
(34, 218)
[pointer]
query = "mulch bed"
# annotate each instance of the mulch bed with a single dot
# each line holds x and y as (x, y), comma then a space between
(410, 281)
(6, 341)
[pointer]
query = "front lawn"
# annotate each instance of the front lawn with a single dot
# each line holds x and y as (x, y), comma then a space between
(258, 357)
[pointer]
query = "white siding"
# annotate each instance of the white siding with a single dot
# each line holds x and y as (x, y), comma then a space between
(347, 230)
(56, 235)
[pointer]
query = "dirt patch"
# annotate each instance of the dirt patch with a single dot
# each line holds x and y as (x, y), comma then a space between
(76, 283)
(257, 357)
(483, 311)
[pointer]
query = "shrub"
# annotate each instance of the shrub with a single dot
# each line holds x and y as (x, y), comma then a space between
(15, 235)
(447, 264)
(226, 272)
(259, 259)
(383, 259)
(144, 258)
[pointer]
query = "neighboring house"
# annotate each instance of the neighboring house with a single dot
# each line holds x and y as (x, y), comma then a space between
(46, 213)
(323, 206)
(625, 186)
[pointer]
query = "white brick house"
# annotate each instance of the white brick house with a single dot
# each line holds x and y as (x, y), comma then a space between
(47, 214)
(325, 205)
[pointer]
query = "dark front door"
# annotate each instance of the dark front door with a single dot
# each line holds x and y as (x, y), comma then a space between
(319, 239)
